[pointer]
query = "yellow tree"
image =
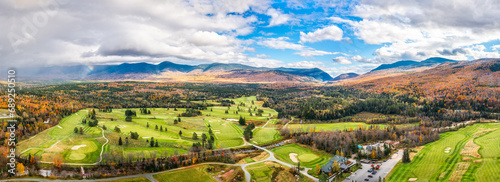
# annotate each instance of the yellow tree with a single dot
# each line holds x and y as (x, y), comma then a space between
(374, 154)
(335, 166)
(342, 154)
(20, 168)
(337, 153)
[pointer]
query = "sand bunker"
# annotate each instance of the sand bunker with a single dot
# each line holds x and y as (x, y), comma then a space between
(217, 132)
(478, 161)
(146, 137)
(76, 147)
(293, 157)
(121, 126)
(413, 179)
(59, 126)
(447, 150)
(231, 119)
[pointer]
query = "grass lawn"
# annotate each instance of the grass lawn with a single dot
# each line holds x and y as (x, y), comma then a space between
(227, 133)
(307, 157)
(197, 173)
(340, 126)
(137, 179)
(432, 163)
(189, 174)
(264, 170)
(265, 135)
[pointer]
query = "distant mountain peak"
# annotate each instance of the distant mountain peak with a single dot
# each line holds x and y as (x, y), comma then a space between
(345, 76)
(408, 64)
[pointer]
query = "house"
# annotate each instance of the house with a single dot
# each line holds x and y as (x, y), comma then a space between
(328, 167)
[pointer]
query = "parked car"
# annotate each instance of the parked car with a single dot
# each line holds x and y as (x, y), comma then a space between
(366, 179)
(385, 160)
(370, 176)
(374, 172)
(370, 170)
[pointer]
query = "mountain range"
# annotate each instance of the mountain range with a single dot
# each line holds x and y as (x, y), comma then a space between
(216, 72)
(168, 71)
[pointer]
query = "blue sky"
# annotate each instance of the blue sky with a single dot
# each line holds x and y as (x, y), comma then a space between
(336, 36)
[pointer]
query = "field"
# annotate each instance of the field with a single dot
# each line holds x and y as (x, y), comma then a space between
(439, 160)
(263, 172)
(307, 157)
(202, 173)
(86, 147)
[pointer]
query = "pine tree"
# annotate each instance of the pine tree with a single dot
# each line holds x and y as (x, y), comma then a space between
(76, 130)
(120, 141)
(152, 142)
(156, 144)
(195, 136)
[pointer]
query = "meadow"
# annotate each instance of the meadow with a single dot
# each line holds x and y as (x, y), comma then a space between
(442, 160)
(307, 157)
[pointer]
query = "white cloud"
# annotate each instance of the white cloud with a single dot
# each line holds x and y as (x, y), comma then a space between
(118, 31)
(359, 69)
(277, 17)
(259, 62)
(262, 56)
(280, 43)
(328, 33)
(342, 60)
(312, 53)
(305, 64)
(425, 28)
(495, 47)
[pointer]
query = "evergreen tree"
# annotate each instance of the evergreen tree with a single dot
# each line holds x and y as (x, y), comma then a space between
(180, 133)
(195, 136)
(152, 142)
(156, 144)
(76, 130)
(406, 156)
(120, 141)
(242, 121)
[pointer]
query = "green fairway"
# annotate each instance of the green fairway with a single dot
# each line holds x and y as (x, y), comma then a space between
(189, 174)
(490, 152)
(432, 163)
(202, 173)
(265, 135)
(264, 171)
(340, 126)
(227, 133)
(307, 157)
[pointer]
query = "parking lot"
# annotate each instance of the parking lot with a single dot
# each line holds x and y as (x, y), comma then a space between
(362, 174)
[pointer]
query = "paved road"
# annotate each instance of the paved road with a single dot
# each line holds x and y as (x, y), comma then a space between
(362, 174)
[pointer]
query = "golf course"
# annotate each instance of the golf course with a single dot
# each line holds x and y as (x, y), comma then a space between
(87, 144)
(469, 154)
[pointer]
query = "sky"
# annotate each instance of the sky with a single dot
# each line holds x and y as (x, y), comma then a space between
(335, 36)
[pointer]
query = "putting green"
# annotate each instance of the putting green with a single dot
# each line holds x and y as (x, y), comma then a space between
(307, 157)
(77, 156)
